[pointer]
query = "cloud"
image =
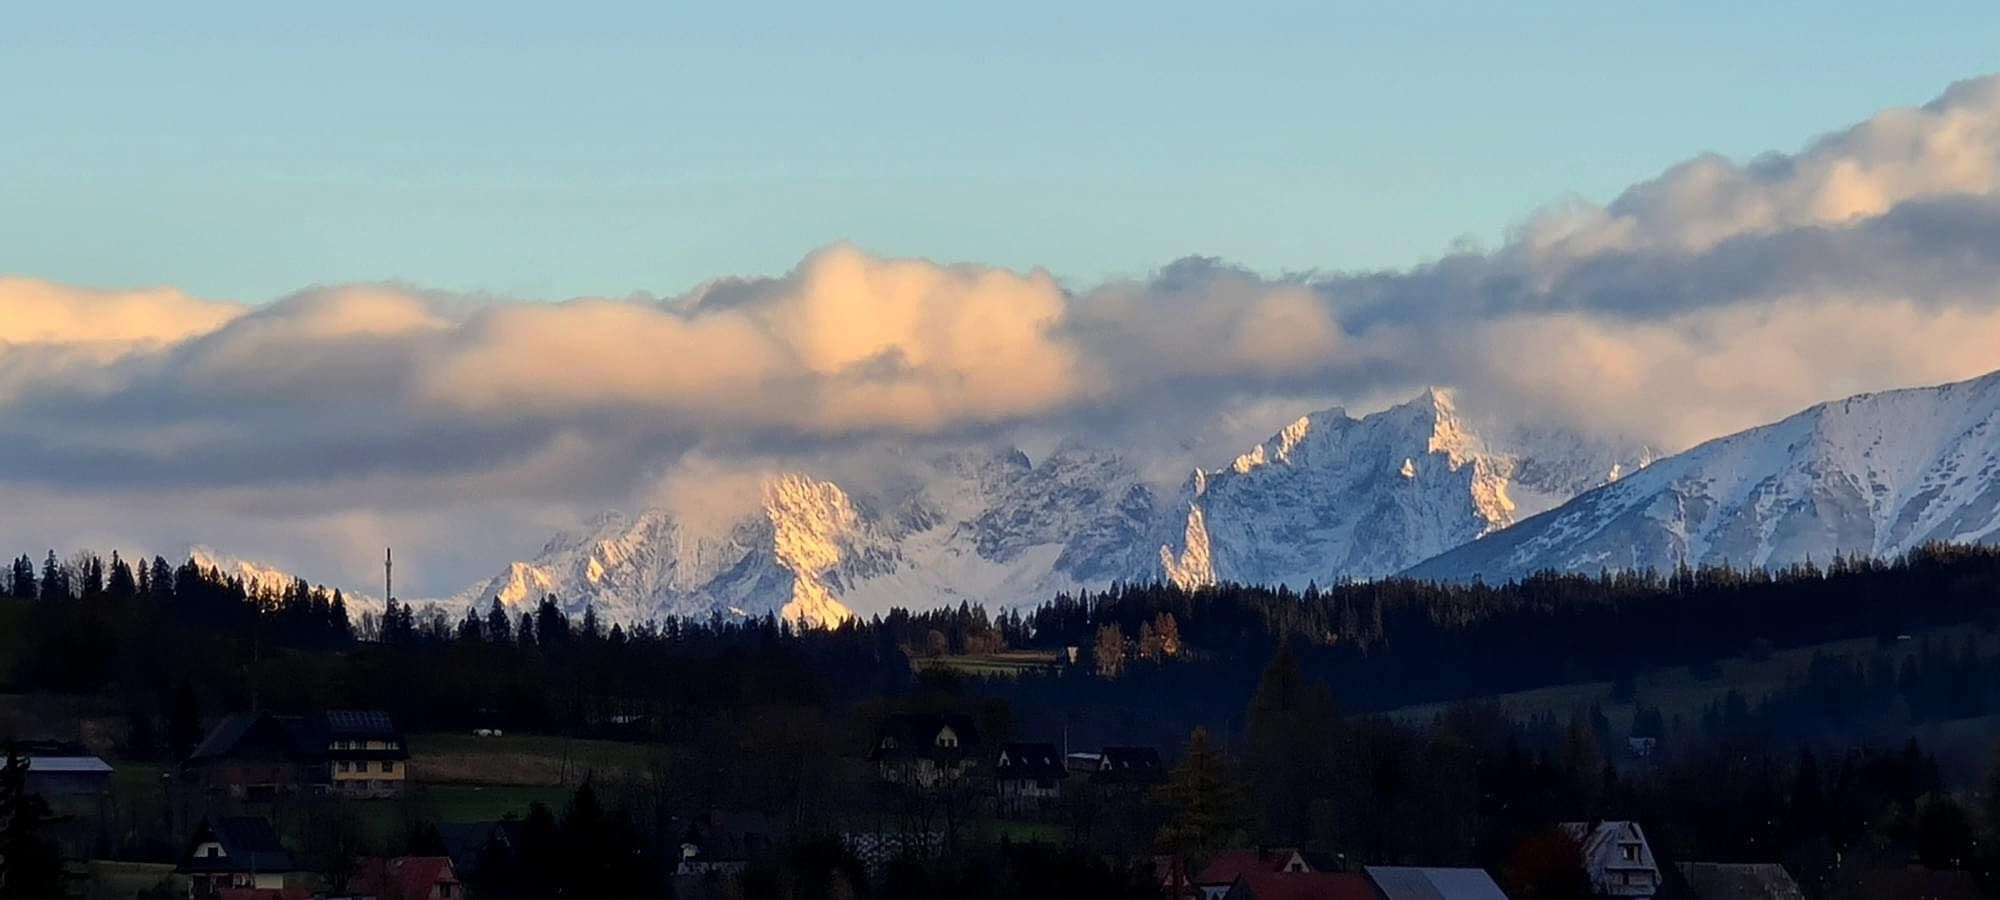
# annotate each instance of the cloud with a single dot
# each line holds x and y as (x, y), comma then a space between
(1712, 297)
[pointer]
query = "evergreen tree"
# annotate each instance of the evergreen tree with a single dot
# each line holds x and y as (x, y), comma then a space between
(30, 866)
(472, 628)
(498, 628)
(1201, 806)
(22, 584)
(162, 581)
(121, 586)
(55, 581)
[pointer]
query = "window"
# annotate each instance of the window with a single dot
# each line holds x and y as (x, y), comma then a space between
(343, 765)
(388, 766)
(1631, 852)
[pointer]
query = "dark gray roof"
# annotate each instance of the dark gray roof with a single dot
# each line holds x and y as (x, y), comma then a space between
(1403, 883)
(908, 735)
(249, 844)
(1029, 760)
(1129, 765)
(302, 737)
(1730, 881)
(361, 723)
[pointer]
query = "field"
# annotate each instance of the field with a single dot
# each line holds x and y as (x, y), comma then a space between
(533, 761)
(105, 880)
(1007, 664)
(1676, 691)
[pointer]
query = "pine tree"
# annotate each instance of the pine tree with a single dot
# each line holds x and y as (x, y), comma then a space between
(55, 581)
(121, 585)
(1200, 802)
(498, 628)
(23, 584)
(30, 867)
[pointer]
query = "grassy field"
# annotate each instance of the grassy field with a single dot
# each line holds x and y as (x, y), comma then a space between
(106, 880)
(477, 803)
(1007, 664)
(1676, 690)
(526, 760)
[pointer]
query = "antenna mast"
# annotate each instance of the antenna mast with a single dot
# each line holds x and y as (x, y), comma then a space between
(388, 574)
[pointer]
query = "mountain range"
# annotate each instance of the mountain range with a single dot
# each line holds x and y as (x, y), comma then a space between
(1875, 474)
(1421, 488)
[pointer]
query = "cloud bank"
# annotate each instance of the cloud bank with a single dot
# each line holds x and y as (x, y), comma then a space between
(320, 425)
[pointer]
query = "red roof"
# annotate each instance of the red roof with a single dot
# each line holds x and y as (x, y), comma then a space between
(402, 878)
(1230, 863)
(1307, 886)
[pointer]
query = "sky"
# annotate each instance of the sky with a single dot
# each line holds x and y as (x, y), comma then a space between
(241, 151)
(298, 283)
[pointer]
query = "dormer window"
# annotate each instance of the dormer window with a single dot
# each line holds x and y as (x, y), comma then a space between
(1631, 852)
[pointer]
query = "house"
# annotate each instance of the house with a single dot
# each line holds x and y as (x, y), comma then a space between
(1401, 883)
(68, 775)
(1731, 881)
(259, 756)
(1220, 875)
(235, 852)
(1300, 886)
(1616, 855)
(365, 752)
(1027, 777)
(719, 842)
(404, 878)
(1129, 767)
(1903, 884)
(471, 843)
(921, 750)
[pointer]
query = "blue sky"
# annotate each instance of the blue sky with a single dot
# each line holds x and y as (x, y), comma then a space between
(244, 151)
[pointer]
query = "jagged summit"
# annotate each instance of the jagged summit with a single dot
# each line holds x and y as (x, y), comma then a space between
(1332, 496)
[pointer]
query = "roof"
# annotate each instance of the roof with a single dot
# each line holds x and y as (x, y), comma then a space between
(1022, 760)
(1904, 884)
(300, 737)
(244, 893)
(249, 844)
(402, 877)
(361, 723)
(68, 765)
(1301, 886)
(1130, 765)
(1229, 864)
(1401, 883)
(1731, 881)
(1600, 842)
(907, 735)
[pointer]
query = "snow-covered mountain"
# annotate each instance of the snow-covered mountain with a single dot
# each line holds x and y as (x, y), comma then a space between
(1875, 473)
(1328, 497)
(270, 579)
(1332, 496)
(985, 526)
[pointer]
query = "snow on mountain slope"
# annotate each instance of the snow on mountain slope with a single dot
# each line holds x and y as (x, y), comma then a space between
(271, 579)
(1876, 473)
(981, 526)
(1331, 496)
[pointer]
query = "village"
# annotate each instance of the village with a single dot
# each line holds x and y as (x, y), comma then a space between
(250, 806)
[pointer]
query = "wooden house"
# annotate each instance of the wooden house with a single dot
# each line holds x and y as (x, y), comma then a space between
(260, 756)
(236, 852)
(1618, 858)
(1129, 768)
(923, 750)
(1027, 777)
